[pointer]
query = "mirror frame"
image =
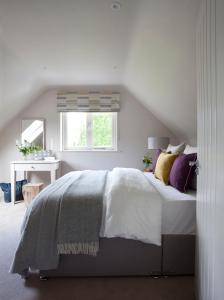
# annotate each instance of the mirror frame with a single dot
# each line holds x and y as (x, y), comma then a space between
(44, 128)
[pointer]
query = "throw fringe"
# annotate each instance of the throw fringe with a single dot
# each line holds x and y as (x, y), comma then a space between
(79, 248)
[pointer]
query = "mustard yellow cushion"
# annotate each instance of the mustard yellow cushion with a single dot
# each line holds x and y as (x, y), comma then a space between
(164, 165)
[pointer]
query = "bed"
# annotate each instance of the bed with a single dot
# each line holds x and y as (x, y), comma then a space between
(122, 256)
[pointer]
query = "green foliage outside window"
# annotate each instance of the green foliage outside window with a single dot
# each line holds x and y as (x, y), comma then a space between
(102, 130)
(89, 130)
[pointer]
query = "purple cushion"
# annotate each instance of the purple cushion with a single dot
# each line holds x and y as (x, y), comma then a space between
(182, 173)
(154, 161)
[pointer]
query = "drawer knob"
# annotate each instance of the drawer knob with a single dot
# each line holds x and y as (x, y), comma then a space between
(32, 167)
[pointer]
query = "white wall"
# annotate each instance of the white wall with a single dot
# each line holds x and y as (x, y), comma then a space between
(79, 42)
(148, 45)
(210, 204)
(1, 71)
(161, 65)
(135, 124)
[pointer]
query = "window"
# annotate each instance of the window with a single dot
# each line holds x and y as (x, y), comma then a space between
(88, 131)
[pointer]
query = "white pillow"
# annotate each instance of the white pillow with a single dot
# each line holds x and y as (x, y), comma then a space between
(176, 149)
(190, 150)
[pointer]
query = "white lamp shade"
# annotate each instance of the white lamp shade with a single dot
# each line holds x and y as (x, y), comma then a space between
(158, 143)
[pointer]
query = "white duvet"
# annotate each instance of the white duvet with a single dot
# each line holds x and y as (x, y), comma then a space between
(132, 207)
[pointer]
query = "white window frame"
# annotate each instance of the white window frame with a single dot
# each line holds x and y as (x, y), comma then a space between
(89, 146)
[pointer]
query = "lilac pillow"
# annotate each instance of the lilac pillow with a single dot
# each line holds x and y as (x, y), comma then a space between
(154, 161)
(181, 173)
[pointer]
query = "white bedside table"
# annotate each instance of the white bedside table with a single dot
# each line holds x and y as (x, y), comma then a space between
(32, 166)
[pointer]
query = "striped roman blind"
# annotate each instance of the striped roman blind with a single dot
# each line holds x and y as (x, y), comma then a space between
(88, 102)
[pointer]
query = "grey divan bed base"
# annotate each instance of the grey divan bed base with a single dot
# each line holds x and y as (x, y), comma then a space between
(123, 257)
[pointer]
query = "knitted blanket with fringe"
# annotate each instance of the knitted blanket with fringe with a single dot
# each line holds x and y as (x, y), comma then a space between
(64, 218)
(80, 215)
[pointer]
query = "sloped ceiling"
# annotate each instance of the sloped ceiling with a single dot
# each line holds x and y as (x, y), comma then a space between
(147, 45)
(161, 67)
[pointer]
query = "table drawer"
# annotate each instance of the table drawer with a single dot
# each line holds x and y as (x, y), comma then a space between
(36, 167)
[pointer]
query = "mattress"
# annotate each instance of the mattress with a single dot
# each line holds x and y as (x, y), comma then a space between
(178, 209)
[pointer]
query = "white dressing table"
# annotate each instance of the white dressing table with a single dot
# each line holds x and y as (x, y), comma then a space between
(32, 166)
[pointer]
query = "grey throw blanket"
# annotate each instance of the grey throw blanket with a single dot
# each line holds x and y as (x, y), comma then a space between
(64, 218)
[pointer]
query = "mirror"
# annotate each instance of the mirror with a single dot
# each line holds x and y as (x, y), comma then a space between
(33, 132)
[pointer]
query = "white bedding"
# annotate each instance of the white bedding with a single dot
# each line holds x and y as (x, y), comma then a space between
(178, 209)
(132, 207)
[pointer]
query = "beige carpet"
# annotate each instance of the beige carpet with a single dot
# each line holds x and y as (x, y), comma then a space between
(12, 287)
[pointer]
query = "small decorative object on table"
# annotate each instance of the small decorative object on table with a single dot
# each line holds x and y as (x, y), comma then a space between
(28, 150)
(40, 155)
(147, 161)
(49, 158)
